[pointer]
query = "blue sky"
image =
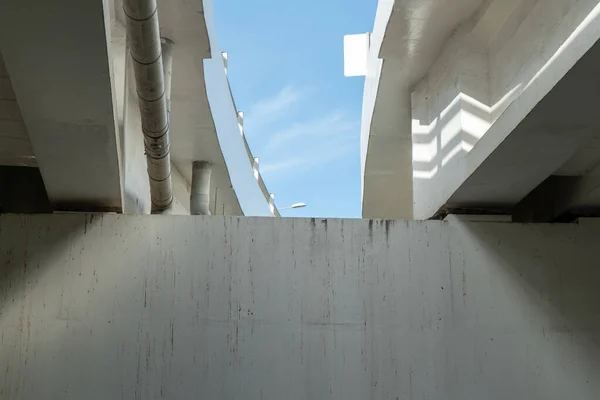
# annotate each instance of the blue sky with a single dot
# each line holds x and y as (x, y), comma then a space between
(301, 115)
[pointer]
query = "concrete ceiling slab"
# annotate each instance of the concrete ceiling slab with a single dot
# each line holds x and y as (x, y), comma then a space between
(203, 117)
(193, 131)
(59, 68)
(560, 127)
(417, 30)
(408, 35)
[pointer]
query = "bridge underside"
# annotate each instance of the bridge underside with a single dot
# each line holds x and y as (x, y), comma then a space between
(69, 114)
(492, 110)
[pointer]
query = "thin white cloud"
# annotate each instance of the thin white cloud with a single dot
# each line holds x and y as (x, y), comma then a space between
(306, 145)
(290, 163)
(331, 124)
(275, 107)
(303, 144)
(307, 161)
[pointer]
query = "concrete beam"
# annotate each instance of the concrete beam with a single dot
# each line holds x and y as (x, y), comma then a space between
(58, 62)
(514, 124)
(387, 190)
(15, 147)
(546, 139)
(561, 198)
(543, 117)
(386, 144)
(546, 202)
(407, 37)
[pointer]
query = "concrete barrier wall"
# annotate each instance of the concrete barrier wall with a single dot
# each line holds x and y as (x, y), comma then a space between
(174, 307)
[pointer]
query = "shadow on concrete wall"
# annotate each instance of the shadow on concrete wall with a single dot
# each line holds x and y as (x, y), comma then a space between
(194, 305)
(561, 283)
(28, 250)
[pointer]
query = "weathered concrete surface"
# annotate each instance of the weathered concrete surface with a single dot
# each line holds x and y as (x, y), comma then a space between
(488, 99)
(144, 307)
(66, 101)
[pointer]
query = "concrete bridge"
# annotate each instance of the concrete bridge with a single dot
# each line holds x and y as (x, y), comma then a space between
(484, 107)
(70, 126)
(471, 107)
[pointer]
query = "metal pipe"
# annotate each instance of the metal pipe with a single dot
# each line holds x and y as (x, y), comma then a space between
(200, 193)
(145, 47)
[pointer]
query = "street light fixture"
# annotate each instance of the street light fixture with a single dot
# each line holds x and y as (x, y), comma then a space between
(297, 205)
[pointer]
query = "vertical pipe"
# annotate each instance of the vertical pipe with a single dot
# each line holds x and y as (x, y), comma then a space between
(200, 193)
(145, 47)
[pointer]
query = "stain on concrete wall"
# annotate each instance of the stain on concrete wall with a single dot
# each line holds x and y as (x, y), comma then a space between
(145, 307)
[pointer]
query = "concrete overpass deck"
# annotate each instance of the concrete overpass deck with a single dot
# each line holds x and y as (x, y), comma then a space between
(81, 123)
(472, 106)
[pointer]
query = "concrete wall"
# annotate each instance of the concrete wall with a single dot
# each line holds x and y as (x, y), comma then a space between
(143, 307)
